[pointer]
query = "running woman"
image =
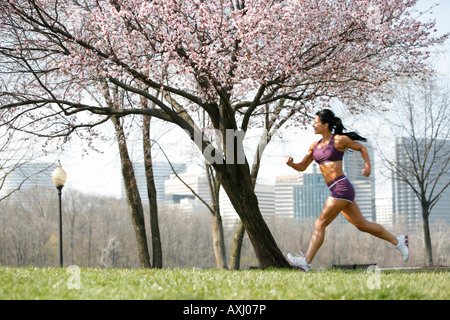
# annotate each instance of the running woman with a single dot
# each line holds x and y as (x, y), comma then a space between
(328, 152)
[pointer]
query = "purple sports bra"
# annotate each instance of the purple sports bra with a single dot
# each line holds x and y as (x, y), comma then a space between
(329, 153)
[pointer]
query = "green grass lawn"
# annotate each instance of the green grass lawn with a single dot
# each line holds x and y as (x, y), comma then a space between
(187, 284)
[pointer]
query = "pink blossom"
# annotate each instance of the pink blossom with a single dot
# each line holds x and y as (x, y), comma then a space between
(212, 51)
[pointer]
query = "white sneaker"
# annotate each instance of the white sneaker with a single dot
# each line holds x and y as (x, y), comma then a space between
(403, 246)
(299, 261)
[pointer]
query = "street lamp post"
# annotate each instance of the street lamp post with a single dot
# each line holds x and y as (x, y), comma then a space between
(59, 178)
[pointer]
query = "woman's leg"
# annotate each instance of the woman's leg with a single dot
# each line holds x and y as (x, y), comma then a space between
(330, 211)
(353, 214)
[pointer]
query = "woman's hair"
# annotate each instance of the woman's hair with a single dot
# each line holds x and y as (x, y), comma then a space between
(335, 124)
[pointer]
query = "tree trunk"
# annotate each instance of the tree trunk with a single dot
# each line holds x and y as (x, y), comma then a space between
(72, 237)
(235, 262)
(217, 226)
(132, 193)
(236, 181)
(240, 232)
(89, 242)
(427, 237)
(219, 241)
(152, 196)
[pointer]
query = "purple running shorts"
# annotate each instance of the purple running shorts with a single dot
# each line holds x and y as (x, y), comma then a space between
(342, 189)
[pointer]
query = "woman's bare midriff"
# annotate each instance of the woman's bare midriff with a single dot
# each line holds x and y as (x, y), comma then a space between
(331, 170)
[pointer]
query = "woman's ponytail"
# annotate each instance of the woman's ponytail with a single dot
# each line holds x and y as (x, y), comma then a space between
(336, 126)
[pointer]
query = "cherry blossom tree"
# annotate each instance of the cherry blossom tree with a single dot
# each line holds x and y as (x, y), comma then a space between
(233, 60)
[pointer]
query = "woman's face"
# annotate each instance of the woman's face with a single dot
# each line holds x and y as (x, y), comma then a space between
(318, 126)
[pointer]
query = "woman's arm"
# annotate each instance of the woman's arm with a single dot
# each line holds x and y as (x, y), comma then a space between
(301, 166)
(343, 142)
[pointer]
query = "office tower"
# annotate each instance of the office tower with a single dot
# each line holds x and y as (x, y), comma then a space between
(284, 195)
(406, 206)
(384, 210)
(266, 199)
(265, 195)
(176, 189)
(36, 175)
(310, 195)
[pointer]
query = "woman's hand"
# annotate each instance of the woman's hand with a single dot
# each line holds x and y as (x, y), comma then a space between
(366, 171)
(289, 161)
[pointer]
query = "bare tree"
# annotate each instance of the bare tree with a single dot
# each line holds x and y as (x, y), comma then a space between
(423, 155)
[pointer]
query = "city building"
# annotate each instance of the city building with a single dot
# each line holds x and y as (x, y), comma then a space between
(37, 175)
(265, 195)
(175, 189)
(310, 195)
(384, 210)
(284, 194)
(406, 206)
(266, 199)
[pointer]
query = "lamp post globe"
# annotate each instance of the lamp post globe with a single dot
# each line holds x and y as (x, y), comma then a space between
(59, 177)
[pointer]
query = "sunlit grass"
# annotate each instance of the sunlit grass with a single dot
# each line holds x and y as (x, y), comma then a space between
(189, 284)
